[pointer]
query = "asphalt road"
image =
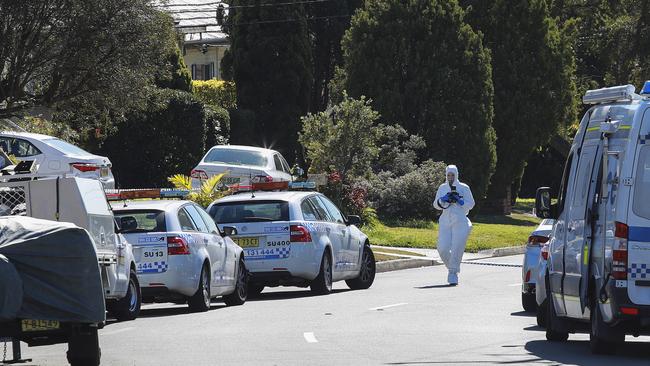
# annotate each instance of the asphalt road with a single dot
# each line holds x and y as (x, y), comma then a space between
(408, 317)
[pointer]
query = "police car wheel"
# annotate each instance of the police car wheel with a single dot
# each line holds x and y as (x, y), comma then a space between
(128, 308)
(554, 326)
(528, 302)
(322, 284)
(366, 273)
(239, 295)
(603, 340)
(200, 301)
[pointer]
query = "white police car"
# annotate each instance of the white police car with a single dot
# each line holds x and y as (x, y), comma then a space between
(180, 253)
(296, 239)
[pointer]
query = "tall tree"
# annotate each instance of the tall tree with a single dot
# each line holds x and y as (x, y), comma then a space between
(426, 69)
(271, 58)
(532, 71)
(55, 50)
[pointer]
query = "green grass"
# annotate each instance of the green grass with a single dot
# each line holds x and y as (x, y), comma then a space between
(397, 251)
(384, 257)
(488, 231)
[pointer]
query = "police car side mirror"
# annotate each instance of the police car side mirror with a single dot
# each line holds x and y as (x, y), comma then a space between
(229, 231)
(354, 220)
(543, 207)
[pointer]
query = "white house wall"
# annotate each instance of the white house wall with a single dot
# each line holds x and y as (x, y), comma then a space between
(194, 56)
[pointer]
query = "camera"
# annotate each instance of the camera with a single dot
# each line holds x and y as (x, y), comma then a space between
(454, 196)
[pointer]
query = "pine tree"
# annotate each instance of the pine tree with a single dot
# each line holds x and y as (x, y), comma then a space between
(426, 69)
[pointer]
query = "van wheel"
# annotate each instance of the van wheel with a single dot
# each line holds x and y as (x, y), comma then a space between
(322, 285)
(603, 339)
(529, 302)
(555, 328)
(200, 301)
(128, 307)
(542, 312)
(238, 297)
(83, 347)
(366, 273)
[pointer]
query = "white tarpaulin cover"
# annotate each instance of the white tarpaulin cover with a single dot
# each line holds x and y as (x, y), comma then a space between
(57, 265)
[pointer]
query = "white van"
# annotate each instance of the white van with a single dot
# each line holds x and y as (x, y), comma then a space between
(598, 274)
(81, 202)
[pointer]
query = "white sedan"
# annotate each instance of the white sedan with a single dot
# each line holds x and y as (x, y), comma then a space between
(55, 157)
(243, 163)
(296, 239)
(180, 254)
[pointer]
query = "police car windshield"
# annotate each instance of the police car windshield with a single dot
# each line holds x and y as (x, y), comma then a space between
(258, 211)
(141, 221)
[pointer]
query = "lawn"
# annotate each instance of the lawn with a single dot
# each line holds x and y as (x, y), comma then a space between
(488, 231)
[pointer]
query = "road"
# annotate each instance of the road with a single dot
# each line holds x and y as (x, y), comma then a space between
(408, 317)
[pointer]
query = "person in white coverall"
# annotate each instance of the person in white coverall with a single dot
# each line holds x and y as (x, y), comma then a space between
(455, 200)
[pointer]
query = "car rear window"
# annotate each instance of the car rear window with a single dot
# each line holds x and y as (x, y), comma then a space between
(67, 148)
(258, 211)
(236, 157)
(141, 221)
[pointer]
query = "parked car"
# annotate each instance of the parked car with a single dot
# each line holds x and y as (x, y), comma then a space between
(55, 157)
(243, 163)
(541, 287)
(598, 271)
(296, 239)
(181, 256)
(531, 261)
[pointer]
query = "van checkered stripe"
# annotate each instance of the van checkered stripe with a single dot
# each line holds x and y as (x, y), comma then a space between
(639, 270)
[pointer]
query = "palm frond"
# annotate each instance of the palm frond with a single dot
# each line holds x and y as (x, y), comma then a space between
(209, 185)
(181, 181)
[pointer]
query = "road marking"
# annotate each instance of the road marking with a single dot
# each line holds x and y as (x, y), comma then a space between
(514, 284)
(117, 331)
(388, 306)
(310, 337)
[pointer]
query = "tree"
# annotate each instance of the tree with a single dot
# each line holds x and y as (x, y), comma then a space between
(532, 70)
(342, 139)
(425, 68)
(271, 58)
(56, 50)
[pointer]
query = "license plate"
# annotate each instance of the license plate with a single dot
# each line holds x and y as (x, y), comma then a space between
(230, 180)
(33, 325)
(103, 172)
(247, 242)
(152, 260)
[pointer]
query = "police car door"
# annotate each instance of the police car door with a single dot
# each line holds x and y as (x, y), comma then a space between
(577, 228)
(348, 258)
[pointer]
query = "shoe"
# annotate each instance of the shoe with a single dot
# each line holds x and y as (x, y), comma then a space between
(452, 278)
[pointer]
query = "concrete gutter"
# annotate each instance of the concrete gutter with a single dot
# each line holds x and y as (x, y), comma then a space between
(503, 252)
(398, 264)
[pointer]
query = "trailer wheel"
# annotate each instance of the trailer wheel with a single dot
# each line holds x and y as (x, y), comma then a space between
(83, 347)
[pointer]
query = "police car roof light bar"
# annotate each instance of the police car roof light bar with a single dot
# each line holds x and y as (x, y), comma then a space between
(646, 88)
(613, 94)
(152, 193)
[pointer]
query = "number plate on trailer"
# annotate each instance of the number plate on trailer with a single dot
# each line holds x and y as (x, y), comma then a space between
(247, 242)
(152, 260)
(34, 325)
(103, 172)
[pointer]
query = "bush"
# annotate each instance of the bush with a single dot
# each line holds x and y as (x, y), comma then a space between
(217, 126)
(166, 137)
(216, 93)
(407, 196)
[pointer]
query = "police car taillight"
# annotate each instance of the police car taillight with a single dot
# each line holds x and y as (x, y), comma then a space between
(619, 252)
(177, 246)
(198, 174)
(300, 234)
(537, 240)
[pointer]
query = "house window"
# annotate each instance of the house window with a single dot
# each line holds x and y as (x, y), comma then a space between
(203, 71)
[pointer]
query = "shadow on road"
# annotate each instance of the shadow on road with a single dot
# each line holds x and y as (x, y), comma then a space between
(285, 295)
(171, 311)
(523, 313)
(434, 286)
(577, 353)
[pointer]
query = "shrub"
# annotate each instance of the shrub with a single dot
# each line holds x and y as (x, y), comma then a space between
(216, 93)
(166, 137)
(217, 126)
(407, 196)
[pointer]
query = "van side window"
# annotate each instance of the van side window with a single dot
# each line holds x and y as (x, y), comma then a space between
(642, 184)
(565, 183)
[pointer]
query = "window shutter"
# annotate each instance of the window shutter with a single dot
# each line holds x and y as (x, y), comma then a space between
(193, 72)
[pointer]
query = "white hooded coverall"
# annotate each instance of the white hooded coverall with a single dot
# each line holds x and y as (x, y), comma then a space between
(454, 226)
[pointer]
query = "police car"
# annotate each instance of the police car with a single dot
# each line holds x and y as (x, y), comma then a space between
(181, 256)
(296, 239)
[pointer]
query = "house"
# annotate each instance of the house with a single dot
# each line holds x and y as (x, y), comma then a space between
(203, 41)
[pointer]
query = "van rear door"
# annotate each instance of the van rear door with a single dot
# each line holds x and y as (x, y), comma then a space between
(638, 287)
